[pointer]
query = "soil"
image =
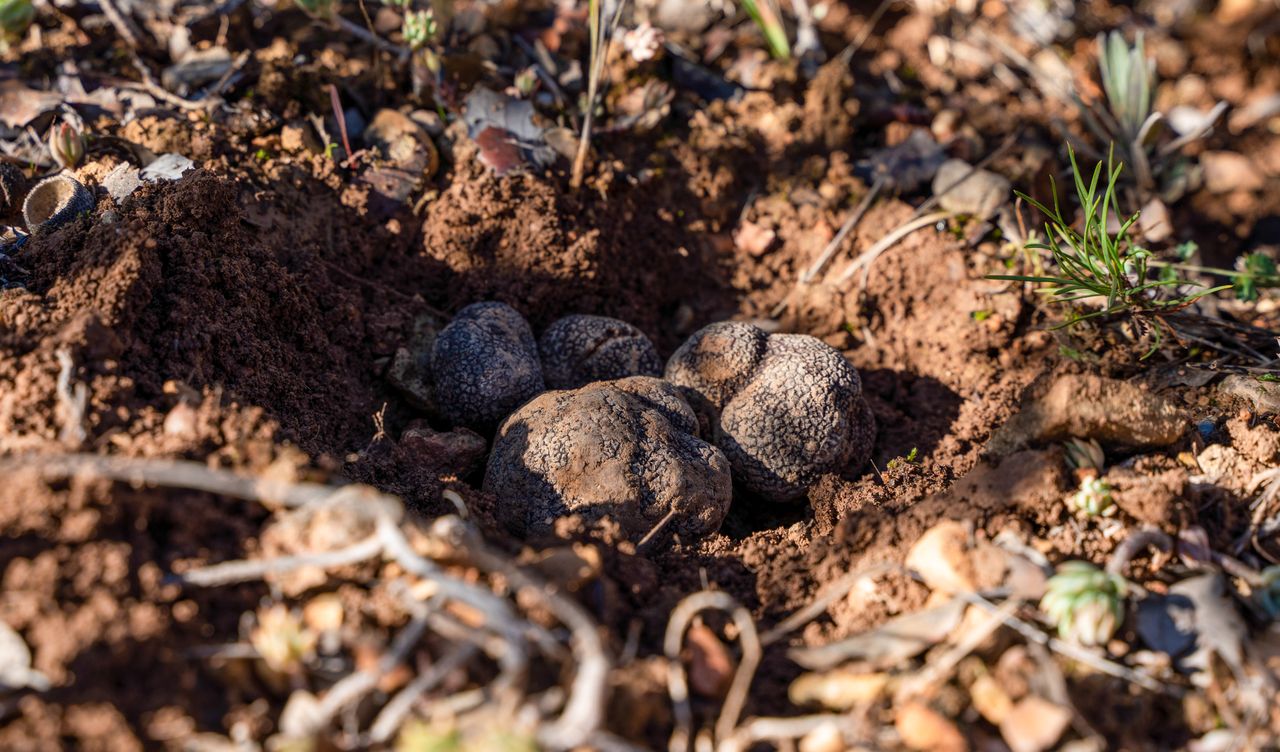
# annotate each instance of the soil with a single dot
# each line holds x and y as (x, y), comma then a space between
(247, 315)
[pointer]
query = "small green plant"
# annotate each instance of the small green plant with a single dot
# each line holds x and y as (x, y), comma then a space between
(1093, 498)
(1095, 265)
(317, 8)
(1085, 603)
(767, 16)
(419, 28)
(1127, 77)
(66, 145)
(15, 17)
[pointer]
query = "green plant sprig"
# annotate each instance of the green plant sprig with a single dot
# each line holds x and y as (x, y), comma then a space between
(1093, 263)
(766, 16)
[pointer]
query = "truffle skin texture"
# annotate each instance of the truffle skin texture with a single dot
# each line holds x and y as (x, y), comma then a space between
(625, 448)
(580, 349)
(484, 365)
(784, 408)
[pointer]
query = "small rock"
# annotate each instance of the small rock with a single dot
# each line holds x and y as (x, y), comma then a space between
(167, 167)
(941, 557)
(181, 421)
(299, 137)
(1154, 223)
(977, 193)
(1118, 413)
(402, 142)
(459, 451)
(1263, 395)
(198, 67)
(122, 181)
(1227, 171)
(924, 729)
(1034, 724)
(838, 689)
(825, 738)
(990, 699)
(627, 449)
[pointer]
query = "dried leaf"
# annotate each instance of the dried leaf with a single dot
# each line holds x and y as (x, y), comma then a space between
(507, 130)
(922, 728)
(1034, 724)
(838, 689)
(710, 665)
(889, 644)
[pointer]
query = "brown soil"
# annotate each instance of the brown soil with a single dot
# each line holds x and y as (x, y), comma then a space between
(247, 315)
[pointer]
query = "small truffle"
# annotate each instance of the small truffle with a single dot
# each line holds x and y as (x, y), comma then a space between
(580, 349)
(627, 449)
(784, 408)
(484, 364)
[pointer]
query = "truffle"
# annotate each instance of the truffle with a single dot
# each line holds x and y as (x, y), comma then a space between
(626, 448)
(484, 364)
(784, 408)
(580, 349)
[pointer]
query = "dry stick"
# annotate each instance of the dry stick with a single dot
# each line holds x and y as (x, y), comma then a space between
(846, 55)
(785, 729)
(393, 714)
(600, 40)
(230, 572)
(939, 670)
(584, 710)
(677, 684)
(364, 35)
(833, 246)
(1075, 652)
(868, 257)
(386, 510)
(124, 26)
(831, 594)
(71, 402)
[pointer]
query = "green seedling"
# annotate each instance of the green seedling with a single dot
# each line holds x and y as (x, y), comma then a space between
(1085, 603)
(419, 28)
(1127, 77)
(317, 8)
(1095, 265)
(15, 17)
(766, 15)
(66, 145)
(1093, 498)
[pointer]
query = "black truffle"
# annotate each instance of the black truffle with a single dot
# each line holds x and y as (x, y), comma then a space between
(785, 408)
(580, 349)
(627, 449)
(484, 364)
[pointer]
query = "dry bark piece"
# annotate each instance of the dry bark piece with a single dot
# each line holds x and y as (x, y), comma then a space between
(785, 408)
(484, 365)
(625, 448)
(580, 349)
(55, 201)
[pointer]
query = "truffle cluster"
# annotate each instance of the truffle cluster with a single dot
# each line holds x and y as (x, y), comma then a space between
(778, 412)
(785, 408)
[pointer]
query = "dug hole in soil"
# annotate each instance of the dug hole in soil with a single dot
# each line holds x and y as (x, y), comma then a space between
(248, 316)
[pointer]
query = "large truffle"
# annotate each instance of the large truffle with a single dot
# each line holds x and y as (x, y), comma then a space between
(626, 448)
(784, 408)
(484, 364)
(580, 349)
